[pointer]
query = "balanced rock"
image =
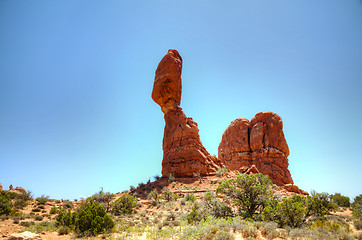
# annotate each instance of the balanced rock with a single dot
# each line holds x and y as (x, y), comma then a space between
(167, 87)
(260, 142)
(183, 153)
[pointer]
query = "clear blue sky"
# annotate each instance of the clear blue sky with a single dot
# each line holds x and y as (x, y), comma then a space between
(76, 78)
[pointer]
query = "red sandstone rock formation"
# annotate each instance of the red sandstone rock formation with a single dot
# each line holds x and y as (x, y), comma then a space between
(259, 142)
(18, 190)
(183, 152)
(1, 187)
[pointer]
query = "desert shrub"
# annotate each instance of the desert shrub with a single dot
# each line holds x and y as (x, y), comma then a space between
(290, 212)
(190, 197)
(220, 172)
(67, 204)
(89, 219)
(36, 210)
(249, 192)
(359, 236)
(268, 227)
(124, 205)
(197, 214)
(103, 198)
(154, 197)
(54, 210)
(249, 231)
(41, 207)
(215, 207)
(16, 220)
(25, 224)
(92, 219)
(357, 206)
(209, 228)
(340, 200)
(294, 211)
(66, 218)
(41, 227)
(20, 203)
(42, 200)
(64, 230)
(156, 177)
(167, 194)
(319, 205)
(38, 218)
(10, 195)
(358, 224)
(5, 205)
(171, 178)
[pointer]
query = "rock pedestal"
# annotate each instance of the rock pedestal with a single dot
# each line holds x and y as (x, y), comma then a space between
(183, 152)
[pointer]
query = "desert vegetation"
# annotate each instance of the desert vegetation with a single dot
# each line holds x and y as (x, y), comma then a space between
(239, 207)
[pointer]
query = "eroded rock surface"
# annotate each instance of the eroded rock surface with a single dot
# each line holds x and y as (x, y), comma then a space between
(183, 152)
(261, 143)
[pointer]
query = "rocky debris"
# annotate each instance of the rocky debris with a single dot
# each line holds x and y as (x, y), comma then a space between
(261, 143)
(294, 188)
(23, 236)
(183, 152)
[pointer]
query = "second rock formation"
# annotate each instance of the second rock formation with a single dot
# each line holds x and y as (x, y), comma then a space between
(261, 143)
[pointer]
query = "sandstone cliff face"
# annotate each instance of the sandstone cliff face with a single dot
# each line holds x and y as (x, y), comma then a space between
(183, 152)
(261, 143)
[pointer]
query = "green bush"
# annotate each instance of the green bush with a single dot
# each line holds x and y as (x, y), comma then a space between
(124, 205)
(220, 172)
(190, 197)
(67, 204)
(167, 194)
(197, 214)
(357, 224)
(42, 200)
(215, 207)
(66, 218)
(103, 198)
(54, 210)
(292, 211)
(92, 219)
(5, 205)
(20, 203)
(38, 218)
(249, 192)
(340, 200)
(357, 206)
(89, 219)
(319, 205)
(64, 230)
(154, 197)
